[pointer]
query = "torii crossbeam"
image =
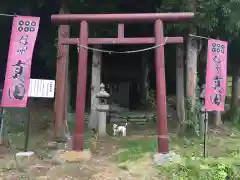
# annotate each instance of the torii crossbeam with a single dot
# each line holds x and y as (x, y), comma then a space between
(84, 40)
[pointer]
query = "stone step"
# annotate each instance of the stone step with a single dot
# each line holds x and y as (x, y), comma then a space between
(115, 120)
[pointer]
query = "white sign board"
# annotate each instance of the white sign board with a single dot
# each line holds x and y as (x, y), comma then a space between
(41, 88)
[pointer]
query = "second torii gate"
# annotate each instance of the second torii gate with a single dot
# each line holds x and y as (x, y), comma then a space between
(84, 40)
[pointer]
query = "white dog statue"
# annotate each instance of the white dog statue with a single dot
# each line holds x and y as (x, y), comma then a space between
(119, 129)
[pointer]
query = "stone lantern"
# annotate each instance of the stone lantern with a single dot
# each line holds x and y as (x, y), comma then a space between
(102, 109)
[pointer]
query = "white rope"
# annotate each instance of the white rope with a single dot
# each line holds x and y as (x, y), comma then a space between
(8, 15)
(134, 51)
(201, 37)
(122, 52)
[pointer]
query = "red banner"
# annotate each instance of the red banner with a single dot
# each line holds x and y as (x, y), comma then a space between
(17, 78)
(216, 75)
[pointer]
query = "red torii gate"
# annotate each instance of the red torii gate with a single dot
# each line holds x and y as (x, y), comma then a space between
(84, 40)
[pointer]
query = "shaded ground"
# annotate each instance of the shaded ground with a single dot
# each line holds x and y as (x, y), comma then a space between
(44, 166)
(103, 165)
(115, 158)
(122, 158)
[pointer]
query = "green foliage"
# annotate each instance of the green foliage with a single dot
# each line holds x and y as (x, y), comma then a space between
(212, 16)
(235, 115)
(191, 165)
(193, 169)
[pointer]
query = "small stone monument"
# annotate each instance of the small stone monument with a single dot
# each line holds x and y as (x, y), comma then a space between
(102, 109)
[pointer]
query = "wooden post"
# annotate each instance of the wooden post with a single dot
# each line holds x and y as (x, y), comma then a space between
(61, 81)
(95, 87)
(180, 84)
(78, 143)
(66, 98)
(161, 89)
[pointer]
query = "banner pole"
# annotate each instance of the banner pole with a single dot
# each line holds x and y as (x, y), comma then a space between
(1, 127)
(205, 134)
(1, 121)
(27, 130)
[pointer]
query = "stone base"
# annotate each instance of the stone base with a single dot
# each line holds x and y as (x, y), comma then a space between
(23, 159)
(72, 156)
(161, 159)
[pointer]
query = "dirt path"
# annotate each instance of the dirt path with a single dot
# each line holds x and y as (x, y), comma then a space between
(97, 168)
(43, 167)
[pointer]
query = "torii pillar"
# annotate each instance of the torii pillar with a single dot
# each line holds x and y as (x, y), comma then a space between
(84, 40)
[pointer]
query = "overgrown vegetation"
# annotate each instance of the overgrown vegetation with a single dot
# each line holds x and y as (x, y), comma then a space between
(222, 161)
(198, 170)
(223, 152)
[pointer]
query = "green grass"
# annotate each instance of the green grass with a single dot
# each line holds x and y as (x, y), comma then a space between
(223, 151)
(223, 156)
(135, 149)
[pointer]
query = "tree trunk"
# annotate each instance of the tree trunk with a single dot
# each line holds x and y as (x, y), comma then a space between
(69, 92)
(235, 89)
(62, 73)
(192, 54)
(235, 95)
(95, 87)
(217, 118)
(180, 87)
(144, 83)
